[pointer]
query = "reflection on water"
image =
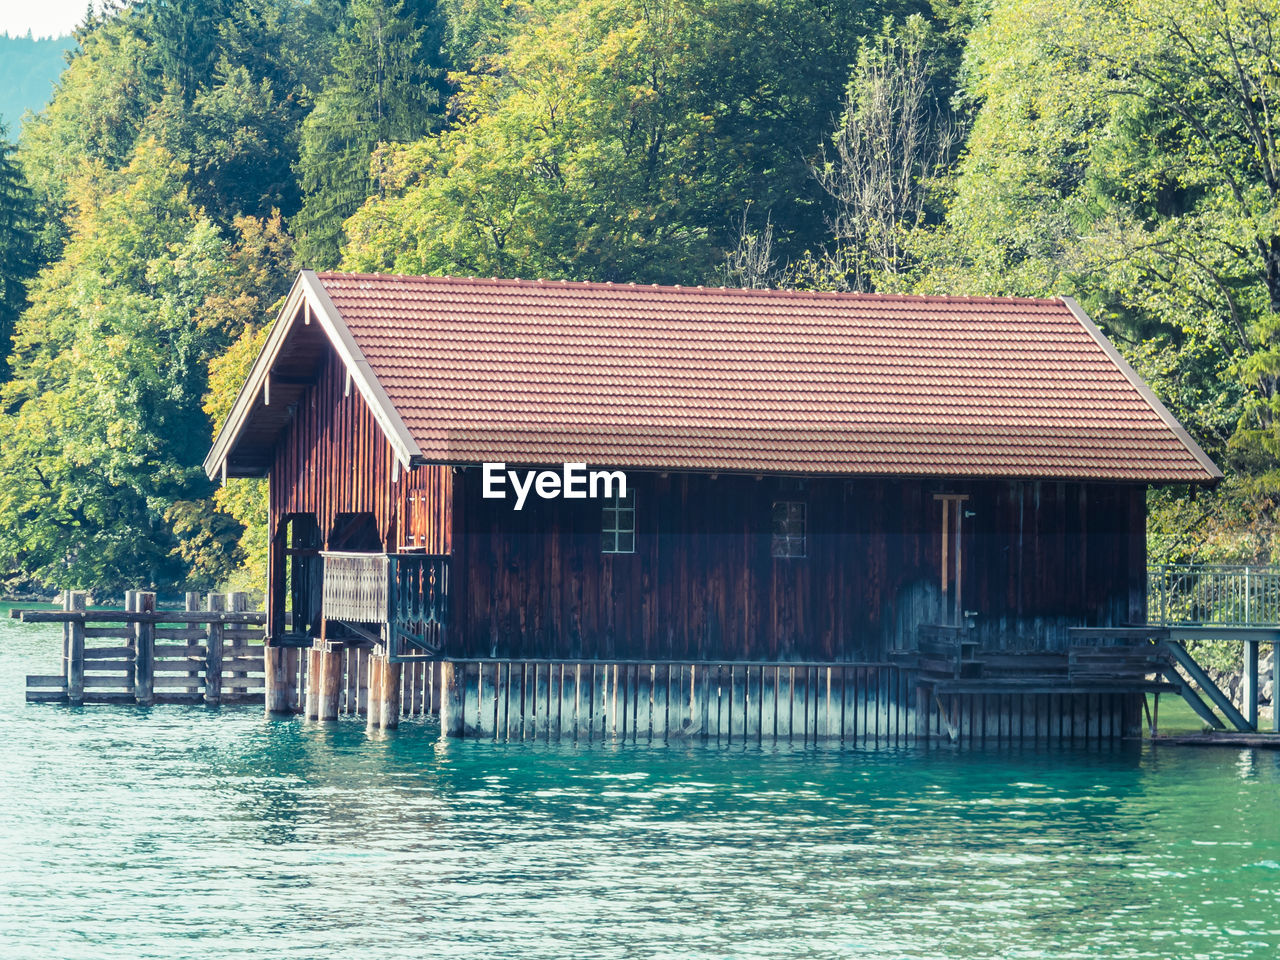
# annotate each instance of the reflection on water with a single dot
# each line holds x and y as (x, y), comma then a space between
(175, 832)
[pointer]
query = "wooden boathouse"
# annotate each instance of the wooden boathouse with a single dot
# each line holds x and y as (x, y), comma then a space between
(845, 514)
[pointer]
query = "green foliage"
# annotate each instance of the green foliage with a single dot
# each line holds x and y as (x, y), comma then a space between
(17, 243)
(97, 113)
(380, 92)
(101, 436)
(621, 140)
(245, 501)
(1124, 153)
(103, 418)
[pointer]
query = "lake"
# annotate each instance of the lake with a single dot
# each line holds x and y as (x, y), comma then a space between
(187, 832)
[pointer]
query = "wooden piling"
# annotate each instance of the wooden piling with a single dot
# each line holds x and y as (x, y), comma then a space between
(194, 666)
(213, 653)
(391, 695)
(75, 600)
(238, 602)
(373, 714)
(313, 684)
(330, 682)
(144, 658)
(451, 720)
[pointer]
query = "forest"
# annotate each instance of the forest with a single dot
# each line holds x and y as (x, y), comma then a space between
(196, 154)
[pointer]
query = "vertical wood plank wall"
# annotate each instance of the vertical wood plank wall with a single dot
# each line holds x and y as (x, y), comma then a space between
(333, 459)
(703, 584)
(805, 702)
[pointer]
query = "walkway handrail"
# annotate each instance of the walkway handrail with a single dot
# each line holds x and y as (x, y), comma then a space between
(1213, 594)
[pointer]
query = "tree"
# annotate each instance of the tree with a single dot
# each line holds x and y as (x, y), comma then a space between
(893, 142)
(611, 139)
(380, 92)
(17, 246)
(98, 111)
(1120, 153)
(184, 39)
(103, 421)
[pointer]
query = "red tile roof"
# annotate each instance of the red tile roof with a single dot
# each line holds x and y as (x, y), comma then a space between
(763, 381)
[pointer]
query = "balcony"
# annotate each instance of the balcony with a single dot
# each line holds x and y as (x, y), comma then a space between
(403, 596)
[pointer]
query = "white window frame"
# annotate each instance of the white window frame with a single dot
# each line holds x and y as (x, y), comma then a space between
(618, 524)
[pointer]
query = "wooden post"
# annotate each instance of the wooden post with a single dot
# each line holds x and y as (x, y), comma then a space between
(1251, 682)
(450, 699)
(213, 652)
(386, 705)
(193, 674)
(75, 600)
(373, 709)
(144, 638)
(66, 639)
(237, 603)
(281, 667)
(330, 681)
(313, 683)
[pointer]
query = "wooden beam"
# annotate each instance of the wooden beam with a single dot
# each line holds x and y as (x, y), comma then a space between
(330, 682)
(281, 669)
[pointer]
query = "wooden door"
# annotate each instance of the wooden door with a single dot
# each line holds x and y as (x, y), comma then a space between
(953, 511)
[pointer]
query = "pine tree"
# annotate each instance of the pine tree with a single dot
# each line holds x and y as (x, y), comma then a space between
(380, 91)
(17, 246)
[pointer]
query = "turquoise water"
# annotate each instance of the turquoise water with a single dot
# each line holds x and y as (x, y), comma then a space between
(179, 832)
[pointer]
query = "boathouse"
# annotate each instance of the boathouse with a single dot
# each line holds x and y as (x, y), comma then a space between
(840, 509)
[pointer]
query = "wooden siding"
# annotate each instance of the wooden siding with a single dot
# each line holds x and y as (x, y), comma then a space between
(332, 459)
(702, 584)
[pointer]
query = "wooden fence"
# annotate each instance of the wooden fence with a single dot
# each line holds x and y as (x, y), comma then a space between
(630, 700)
(210, 652)
(142, 655)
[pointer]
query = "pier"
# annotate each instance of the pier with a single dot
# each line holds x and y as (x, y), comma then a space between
(382, 655)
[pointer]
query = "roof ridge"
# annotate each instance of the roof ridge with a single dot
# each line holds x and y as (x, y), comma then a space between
(701, 290)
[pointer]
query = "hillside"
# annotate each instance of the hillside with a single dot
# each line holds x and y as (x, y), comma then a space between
(28, 70)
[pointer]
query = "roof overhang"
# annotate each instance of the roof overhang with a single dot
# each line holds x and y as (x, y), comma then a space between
(1211, 468)
(307, 305)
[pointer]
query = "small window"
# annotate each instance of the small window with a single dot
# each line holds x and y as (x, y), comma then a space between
(618, 524)
(789, 528)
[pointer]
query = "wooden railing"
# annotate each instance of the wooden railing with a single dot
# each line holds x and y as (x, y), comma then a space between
(142, 655)
(355, 586)
(1216, 595)
(407, 594)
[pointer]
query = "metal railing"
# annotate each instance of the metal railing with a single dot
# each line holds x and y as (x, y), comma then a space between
(1219, 595)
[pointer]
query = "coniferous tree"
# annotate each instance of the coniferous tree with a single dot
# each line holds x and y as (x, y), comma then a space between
(184, 38)
(17, 246)
(381, 90)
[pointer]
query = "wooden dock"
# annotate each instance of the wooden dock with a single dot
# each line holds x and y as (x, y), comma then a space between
(143, 655)
(213, 653)
(210, 653)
